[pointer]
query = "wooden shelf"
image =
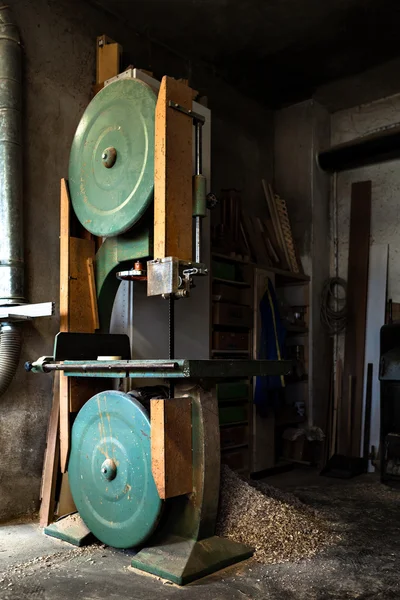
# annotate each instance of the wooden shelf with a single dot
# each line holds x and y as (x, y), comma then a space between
(295, 461)
(296, 329)
(281, 273)
(236, 447)
(232, 258)
(230, 352)
(224, 401)
(290, 421)
(236, 423)
(232, 282)
(296, 381)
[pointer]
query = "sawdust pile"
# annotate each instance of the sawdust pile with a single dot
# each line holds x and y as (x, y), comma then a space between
(276, 524)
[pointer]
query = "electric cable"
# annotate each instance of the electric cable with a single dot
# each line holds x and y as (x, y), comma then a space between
(333, 307)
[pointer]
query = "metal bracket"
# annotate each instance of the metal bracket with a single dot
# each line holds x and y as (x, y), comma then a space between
(197, 118)
(170, 275)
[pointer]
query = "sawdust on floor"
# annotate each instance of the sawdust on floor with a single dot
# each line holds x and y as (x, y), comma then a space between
(275, 523)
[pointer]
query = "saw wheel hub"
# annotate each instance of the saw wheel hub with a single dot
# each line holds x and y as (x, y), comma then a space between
(110, 470)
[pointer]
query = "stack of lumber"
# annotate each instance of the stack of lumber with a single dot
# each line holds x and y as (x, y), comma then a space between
(270, 240)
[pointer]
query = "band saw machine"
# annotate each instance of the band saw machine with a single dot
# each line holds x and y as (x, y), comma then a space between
(144, 466)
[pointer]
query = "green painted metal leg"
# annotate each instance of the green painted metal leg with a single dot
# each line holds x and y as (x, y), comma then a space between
(70, 529)
(183, 560)
(185, 548)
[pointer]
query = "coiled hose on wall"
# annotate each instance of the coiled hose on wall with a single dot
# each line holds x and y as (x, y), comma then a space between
(10, 349)
(333, 307)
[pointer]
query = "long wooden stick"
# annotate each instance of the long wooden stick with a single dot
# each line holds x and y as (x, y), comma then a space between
(64, 318)
(336, 404)
(51, 460)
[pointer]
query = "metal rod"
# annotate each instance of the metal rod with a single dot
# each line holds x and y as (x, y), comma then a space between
(108, 366)
(199, 147)
(197, 239)
(199, 167)
(171, 327)
(171, 337)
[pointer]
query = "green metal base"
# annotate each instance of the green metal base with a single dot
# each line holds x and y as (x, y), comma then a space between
(71, 529)
(181, 560)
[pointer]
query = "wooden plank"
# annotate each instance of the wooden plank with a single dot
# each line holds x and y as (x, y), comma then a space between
(76, 310)
(51, 460)
(80, 319)
(92, 292)
(83, 388)
(262, 257)
(64, 255)
(66, 504)
(376, 305)
(80, 305)
(270, 231)
(336, 405)
(357, 288)
(267, 242)
(173, 173)
(350, 412)
(171, 446)
(368, 406)
(108, 58)
(65, 432)
(287, 233)
(273, 213)
(64, 428)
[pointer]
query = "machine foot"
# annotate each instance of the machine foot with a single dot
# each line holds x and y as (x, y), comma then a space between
(183, 560)
(70, 529)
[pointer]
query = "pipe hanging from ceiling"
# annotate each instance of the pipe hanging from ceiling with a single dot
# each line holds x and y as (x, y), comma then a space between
(11, 233)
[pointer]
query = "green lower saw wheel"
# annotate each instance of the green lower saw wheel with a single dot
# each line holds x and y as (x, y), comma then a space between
(110, 470)
(111, 165)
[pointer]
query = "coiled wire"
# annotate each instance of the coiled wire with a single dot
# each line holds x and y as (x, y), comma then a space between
(333, 307)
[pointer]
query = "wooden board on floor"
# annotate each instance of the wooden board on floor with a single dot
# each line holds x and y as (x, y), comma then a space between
(171, 446)
(51, 460)
(357, 288)
(173, 219)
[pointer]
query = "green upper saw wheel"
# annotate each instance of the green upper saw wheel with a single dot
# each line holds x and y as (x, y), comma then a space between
(109, 470)
(111, 165)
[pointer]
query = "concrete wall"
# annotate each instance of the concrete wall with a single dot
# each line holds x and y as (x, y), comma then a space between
(385, 216)
(59, 68)
(301, 131)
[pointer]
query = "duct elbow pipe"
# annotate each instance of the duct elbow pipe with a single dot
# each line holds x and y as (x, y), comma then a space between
(10, 349)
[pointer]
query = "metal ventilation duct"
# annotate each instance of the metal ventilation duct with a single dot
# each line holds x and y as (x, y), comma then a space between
(11, 242)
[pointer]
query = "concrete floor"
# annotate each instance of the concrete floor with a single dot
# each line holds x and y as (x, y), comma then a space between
(365, 564)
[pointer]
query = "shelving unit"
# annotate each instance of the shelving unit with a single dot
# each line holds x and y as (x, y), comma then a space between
(297, 387)
(235, 284)
(232, 330)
